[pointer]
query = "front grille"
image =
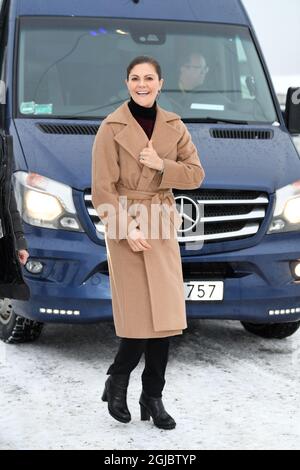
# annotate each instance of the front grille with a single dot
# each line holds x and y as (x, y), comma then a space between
(227, 215)
(92, 212)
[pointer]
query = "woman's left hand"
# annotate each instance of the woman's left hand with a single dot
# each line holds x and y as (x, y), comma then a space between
(149, 157)
(23, 256)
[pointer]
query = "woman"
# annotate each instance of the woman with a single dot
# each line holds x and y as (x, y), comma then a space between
(140, 152)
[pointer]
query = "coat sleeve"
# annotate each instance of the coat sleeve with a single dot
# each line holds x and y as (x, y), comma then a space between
(21, 243)
(105, 175)
(186, 172)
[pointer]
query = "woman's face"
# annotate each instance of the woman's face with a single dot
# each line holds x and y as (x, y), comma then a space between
(143, 84)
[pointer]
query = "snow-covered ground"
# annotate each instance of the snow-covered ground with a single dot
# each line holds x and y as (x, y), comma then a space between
(226, 389)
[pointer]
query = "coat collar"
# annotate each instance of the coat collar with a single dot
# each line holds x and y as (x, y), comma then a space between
(122, 114)
(133, 138)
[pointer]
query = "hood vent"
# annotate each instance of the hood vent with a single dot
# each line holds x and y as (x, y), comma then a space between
(69, 129)
(253, 134)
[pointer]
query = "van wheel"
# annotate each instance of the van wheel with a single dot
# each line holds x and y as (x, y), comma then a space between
(272, 330)
(14, 328)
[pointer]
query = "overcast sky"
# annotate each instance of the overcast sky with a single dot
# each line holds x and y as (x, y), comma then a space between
(277, 24)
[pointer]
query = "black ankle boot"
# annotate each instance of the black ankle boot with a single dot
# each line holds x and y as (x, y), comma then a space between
(115, 393)
(151, 406)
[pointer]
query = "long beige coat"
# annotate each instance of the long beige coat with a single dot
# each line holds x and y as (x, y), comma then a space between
(146, 286)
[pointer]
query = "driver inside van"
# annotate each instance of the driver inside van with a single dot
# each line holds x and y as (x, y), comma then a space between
(193, 73)
(192, 79)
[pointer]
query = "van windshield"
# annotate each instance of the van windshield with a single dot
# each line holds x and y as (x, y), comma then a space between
(70, 67)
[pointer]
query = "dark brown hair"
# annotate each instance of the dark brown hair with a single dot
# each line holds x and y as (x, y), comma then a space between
(143, 59)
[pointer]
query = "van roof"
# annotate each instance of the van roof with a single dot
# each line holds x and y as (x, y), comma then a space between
(220, 11)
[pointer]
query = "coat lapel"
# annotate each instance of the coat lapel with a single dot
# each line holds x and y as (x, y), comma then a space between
(133, 138)
(165, 136)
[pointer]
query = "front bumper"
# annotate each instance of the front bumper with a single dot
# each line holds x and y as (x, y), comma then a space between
(74, 287)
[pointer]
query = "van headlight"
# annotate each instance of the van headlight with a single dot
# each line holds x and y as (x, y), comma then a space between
(45, 203)
(286, 217)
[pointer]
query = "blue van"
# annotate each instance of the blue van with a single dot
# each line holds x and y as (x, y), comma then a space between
(63, 69)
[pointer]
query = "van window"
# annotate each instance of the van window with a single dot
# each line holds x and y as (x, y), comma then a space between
(75, 67)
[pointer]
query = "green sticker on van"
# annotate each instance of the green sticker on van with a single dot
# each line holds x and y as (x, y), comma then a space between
(43, 108)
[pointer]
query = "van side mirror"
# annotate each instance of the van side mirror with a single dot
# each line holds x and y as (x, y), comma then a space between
(2, 103)
(2, 92)
(292, 110)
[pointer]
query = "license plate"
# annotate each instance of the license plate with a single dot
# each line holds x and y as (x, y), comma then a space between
(204, 290)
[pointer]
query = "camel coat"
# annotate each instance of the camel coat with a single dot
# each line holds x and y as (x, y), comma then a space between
(147, 286)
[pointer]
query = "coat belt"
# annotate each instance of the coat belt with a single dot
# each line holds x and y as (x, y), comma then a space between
(156, 197)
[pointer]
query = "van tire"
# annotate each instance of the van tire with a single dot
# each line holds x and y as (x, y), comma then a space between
(15, 328)
(272, 330)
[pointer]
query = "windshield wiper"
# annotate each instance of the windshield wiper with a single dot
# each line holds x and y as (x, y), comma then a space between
(215, 120)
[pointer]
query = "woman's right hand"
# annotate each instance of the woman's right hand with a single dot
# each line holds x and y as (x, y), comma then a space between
(137, 241)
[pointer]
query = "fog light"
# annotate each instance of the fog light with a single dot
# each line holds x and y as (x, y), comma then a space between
(57, 311)
(34, 267)
(69, 222)
(295, 268)
(285, 311)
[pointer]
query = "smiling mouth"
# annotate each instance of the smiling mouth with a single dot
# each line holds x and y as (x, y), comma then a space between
(142, 93)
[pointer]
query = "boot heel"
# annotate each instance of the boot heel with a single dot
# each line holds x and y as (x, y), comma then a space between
(145, 415)
(104, 395)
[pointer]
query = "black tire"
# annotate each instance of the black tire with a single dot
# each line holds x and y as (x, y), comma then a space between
(14, 328)
(272, 330)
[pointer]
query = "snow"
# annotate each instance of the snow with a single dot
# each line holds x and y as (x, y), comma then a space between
(226, 388)
(283, 82)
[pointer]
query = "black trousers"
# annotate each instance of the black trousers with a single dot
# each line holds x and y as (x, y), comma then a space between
(156, 352)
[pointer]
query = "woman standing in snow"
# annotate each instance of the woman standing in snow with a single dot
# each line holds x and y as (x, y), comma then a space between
(141, 152)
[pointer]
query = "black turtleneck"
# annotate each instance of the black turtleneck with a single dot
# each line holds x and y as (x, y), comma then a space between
(144, 116)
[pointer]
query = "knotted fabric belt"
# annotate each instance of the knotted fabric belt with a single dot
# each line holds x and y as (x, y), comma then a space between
(157, 197)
